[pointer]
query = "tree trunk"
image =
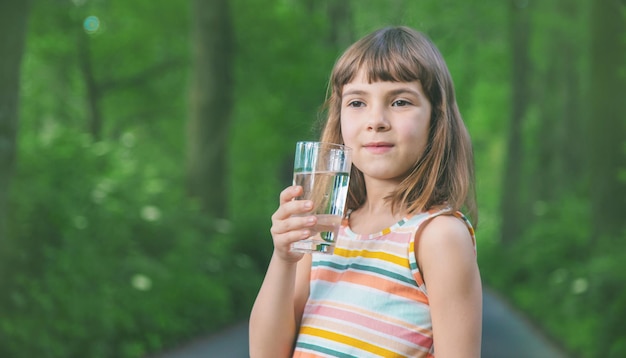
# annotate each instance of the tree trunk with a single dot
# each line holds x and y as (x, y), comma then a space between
(91, 87)
(210, 105)
(511, 205)
(560, 144)
(544, 173)
(570, 140)
(13, 16)
(341, 33)
(607, 123)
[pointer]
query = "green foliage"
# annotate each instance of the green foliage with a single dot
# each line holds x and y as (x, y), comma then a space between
(558, 269)
(108, 256)
(569, 283)
(111, 259)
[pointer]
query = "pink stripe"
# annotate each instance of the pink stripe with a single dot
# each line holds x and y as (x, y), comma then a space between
(403, 333)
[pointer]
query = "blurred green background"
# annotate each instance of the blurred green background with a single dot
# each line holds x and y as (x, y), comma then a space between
(143, 145)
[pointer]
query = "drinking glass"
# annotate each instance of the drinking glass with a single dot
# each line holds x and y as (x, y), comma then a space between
(323, 171)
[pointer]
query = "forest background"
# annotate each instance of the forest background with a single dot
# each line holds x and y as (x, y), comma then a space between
(143, 145)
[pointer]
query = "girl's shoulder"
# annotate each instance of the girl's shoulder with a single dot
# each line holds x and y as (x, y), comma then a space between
(451, 231)
(441, 218)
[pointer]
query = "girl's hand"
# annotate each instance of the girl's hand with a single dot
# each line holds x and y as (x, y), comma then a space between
(288, 228)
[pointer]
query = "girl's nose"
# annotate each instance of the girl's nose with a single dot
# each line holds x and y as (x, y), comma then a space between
(378, 122)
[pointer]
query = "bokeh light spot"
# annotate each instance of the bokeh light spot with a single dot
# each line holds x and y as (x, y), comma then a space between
(579, 286)
(91, 24)
(150, 213)
(141, 282)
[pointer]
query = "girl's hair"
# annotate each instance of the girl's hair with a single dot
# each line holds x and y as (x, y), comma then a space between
(444, 175)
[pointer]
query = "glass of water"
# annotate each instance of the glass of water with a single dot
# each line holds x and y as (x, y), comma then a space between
(323, 171)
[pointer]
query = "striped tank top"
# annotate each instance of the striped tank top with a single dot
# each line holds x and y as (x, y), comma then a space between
(368, 299)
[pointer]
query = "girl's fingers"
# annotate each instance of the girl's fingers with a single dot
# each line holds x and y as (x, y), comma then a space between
(283, 242)
(292, 223)
(290, 193)
(296, 235)
(289, 207)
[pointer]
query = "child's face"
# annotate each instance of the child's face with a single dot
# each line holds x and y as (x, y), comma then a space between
(386, 124)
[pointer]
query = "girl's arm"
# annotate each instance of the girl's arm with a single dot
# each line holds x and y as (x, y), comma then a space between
(278, 308)
(277, 311)
(449, 268)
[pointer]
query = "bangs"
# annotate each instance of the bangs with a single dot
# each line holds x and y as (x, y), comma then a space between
(386, 57)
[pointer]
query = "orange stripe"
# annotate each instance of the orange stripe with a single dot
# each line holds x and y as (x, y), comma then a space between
(369, 280)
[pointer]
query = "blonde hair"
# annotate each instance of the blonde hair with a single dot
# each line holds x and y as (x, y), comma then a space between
(444, 176)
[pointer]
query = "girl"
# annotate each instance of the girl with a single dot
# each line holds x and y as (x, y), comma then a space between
(403, 280)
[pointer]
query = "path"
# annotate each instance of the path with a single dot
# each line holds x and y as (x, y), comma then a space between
(506, 334)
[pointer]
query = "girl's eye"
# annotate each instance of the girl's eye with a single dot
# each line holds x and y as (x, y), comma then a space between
(356, 104)
(400, 103)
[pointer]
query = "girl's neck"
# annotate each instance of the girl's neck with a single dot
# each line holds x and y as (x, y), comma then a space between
(371, 219)
(375, 214)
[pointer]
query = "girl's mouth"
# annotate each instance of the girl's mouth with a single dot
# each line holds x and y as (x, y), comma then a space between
(378, 147)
